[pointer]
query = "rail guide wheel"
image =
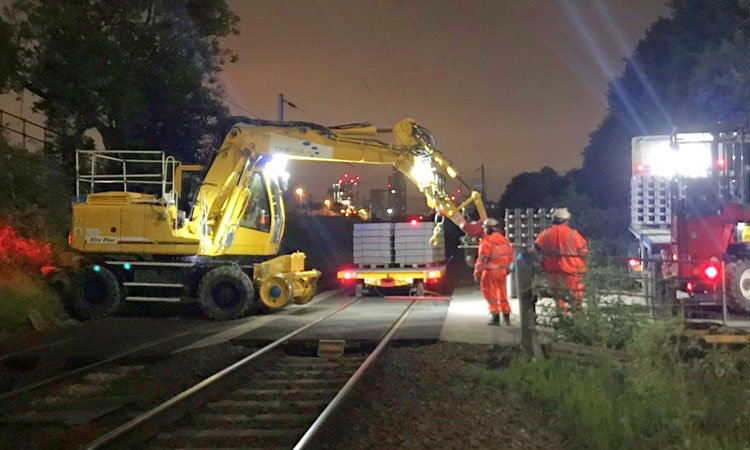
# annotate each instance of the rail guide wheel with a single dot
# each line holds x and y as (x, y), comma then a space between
(308, 288)
(276, 292)
(226, 293)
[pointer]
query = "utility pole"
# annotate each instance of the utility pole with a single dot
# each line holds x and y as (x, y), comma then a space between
(282, 102)
(481, 174)
(484, 188)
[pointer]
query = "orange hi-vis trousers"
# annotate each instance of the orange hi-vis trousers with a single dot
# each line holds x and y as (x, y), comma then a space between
(573, 282)
(493, 289)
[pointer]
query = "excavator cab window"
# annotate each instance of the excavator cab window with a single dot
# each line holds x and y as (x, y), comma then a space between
(278, 211)
(258, 213)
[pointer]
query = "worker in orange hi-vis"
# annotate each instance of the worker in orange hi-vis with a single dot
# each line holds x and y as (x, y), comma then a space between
(563, 250)
(494, 261)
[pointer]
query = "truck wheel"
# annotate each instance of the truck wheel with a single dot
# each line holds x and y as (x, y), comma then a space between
(739, 285)
(309, 288)
(96, 293)
(418, 289)
(226, 293)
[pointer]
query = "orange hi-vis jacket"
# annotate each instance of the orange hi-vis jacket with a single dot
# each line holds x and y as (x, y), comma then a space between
(495, 253)
(563, 249)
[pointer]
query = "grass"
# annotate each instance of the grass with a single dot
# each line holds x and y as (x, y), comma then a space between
(19, 295)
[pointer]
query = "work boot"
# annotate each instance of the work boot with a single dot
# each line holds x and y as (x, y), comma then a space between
(495, 319)
(506, 318)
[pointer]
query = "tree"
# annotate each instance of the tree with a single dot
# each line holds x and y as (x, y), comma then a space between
(663, 88)
(142, 72)
(8, 55)
(534, 190)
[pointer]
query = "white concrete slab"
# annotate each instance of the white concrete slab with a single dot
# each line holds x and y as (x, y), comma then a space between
(468, 317)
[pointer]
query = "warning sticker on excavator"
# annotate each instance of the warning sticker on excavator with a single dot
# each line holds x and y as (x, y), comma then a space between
(297, 147)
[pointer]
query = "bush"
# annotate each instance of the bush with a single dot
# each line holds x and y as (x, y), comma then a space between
(19, 295)
(673, 394)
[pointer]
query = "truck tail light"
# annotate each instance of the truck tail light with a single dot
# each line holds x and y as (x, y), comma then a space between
(640, 168)
(433, 275)
(690, 287)
(711, 272)
(634, 262)
(70, 239)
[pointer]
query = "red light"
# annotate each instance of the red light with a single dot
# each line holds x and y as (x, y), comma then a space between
(351, 181)
(721, 162)
(433, 275)
(711, 272)
(453, 198)
(348, 275)
(346, 175)
(414, 222)
(341, 181)
(634, 262)
(640, 168)
(389, 186)
(70, 239)
(357, 178)
(689, 286)
(458, 191)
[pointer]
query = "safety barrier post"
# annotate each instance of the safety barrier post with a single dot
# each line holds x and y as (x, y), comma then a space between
(527, 302)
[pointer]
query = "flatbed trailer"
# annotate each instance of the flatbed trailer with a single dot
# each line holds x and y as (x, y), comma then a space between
(363, 278)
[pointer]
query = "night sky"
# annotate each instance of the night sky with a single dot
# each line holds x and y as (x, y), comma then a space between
(513, 84)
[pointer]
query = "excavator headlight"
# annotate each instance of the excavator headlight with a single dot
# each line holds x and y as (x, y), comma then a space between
(276, 167)
(451, 172)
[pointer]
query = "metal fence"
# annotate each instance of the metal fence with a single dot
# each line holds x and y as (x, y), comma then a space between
(25, 134)
(614, 283)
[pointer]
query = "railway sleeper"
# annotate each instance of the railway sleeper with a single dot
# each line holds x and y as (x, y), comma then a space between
(285, 394)
(228, 437)
(256, 421)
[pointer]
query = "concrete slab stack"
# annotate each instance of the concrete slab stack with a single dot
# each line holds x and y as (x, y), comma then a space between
(396, 245)
(373, 243)
(413, 247)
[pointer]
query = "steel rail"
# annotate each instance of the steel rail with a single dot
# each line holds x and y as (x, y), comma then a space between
(349, 386)
(122, 432)
(41, 347)
(47, 381)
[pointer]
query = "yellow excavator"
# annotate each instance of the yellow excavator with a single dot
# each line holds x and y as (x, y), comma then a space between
(212, 235)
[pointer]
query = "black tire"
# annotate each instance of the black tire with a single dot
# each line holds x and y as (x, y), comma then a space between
(96, 293)
(739, 285)
(226, 293)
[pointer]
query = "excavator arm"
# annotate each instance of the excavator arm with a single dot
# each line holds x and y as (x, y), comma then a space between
(223, 196)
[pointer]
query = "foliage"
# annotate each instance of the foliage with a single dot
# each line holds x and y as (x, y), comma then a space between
(17, 253)
(34, 187)
(540, 189)
(21, 294)
(144, 73)
(662, 399)
(8, 55)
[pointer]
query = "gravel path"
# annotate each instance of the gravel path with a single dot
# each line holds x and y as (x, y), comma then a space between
(425, 398)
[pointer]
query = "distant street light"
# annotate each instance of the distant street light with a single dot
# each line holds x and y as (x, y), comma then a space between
(300, 193)
(389, 210)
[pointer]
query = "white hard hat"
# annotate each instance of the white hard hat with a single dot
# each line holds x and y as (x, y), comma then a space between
(490, 223)
(561, 214)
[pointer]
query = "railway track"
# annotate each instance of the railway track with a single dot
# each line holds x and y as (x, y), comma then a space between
(265, 400)
(83, 365)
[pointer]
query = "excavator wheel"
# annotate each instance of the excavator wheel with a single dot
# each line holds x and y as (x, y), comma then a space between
(95, 294)
(739, 285)
(226, 293)
(276, 292)
(309, 287)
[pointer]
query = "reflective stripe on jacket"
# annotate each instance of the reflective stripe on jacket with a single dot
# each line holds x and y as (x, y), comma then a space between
(495, 252)
(563, 249)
